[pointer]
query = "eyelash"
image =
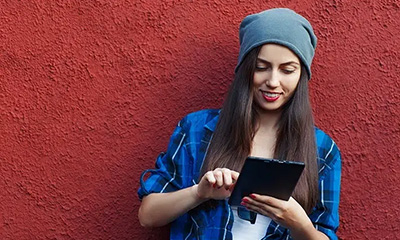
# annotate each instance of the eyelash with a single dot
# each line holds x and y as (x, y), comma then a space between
(285, 71)
(288, 71)
(260, 68)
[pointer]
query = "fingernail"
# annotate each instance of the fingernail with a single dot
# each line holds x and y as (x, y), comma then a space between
(243, 203)
(245, 200)
(253, 196)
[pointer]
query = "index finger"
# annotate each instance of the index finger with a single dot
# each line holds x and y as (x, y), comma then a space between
(271, 201)
(235, 175)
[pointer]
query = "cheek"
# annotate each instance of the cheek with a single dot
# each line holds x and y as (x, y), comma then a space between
(292, 83)
(258, 79)
(255, 82)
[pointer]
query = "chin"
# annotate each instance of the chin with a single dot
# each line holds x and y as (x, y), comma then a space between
(269, 109)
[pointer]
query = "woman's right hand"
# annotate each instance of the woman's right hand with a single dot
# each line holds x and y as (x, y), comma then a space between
(159, 209)
(217, 184)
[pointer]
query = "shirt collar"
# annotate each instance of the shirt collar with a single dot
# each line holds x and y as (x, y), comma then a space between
(210, 125)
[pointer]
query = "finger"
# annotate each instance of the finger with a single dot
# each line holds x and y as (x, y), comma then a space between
(276, 218)
(218, 177)
(227, 178)
(250, 202)
(232, 187)
(235, 175)
(268, 200)
(256, 208)
(209, 177)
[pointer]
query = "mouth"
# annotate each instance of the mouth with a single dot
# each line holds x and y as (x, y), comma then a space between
(270, 96)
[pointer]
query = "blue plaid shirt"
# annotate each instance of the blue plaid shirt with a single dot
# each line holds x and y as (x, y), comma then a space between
(180, 166)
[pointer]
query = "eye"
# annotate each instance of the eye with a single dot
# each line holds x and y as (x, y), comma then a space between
(288, 71)
(260, 67)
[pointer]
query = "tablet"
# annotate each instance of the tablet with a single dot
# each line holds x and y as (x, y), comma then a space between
(271, 177)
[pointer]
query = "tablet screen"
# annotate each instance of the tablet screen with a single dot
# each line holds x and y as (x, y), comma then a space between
(269, 177)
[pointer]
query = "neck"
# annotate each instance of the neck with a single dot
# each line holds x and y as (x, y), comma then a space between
(268, 120)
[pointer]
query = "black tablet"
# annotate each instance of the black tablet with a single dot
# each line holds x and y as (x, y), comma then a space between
(270, 177)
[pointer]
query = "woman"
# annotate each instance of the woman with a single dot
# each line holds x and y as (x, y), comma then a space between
(267, 114)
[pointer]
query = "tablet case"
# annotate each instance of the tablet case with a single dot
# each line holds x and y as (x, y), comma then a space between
(269, 177)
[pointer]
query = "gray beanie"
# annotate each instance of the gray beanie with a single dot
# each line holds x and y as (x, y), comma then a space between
(281, 26)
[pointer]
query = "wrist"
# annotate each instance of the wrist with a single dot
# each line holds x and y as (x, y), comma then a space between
(303, 231)
(196, 195)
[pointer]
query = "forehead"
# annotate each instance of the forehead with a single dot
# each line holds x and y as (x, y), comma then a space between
(275, 53)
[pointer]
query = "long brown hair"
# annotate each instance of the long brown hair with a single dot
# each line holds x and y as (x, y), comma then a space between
(236, 127)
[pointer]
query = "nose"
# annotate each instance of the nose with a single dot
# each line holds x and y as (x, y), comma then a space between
(273, 79)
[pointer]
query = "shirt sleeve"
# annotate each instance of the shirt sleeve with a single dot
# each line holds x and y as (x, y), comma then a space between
(326, 213)
(172, 171)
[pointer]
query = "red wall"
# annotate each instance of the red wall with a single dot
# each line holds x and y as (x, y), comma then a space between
(91, 90)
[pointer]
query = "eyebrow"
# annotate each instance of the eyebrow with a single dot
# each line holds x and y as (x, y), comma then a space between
(286, 63)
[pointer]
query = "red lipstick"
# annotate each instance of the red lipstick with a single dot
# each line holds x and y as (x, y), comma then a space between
(270, 96)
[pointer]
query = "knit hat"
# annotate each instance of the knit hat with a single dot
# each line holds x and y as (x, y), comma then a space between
(280, 26)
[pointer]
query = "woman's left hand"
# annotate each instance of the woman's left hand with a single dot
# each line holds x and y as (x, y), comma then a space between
(288, 214)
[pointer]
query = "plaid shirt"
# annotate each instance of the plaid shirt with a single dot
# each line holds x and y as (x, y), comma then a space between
(180, 166)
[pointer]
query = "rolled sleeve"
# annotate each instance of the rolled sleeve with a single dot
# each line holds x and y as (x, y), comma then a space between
(326, 213)
(171, 172)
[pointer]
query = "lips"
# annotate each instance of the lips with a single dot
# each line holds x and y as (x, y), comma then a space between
(271, 96)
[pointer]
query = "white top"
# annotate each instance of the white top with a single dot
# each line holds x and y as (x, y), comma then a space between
(244, 230)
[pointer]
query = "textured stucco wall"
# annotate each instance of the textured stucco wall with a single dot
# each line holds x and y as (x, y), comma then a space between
(91, 90)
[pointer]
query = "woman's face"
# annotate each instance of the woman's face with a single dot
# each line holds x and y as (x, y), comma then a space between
(276, 76)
